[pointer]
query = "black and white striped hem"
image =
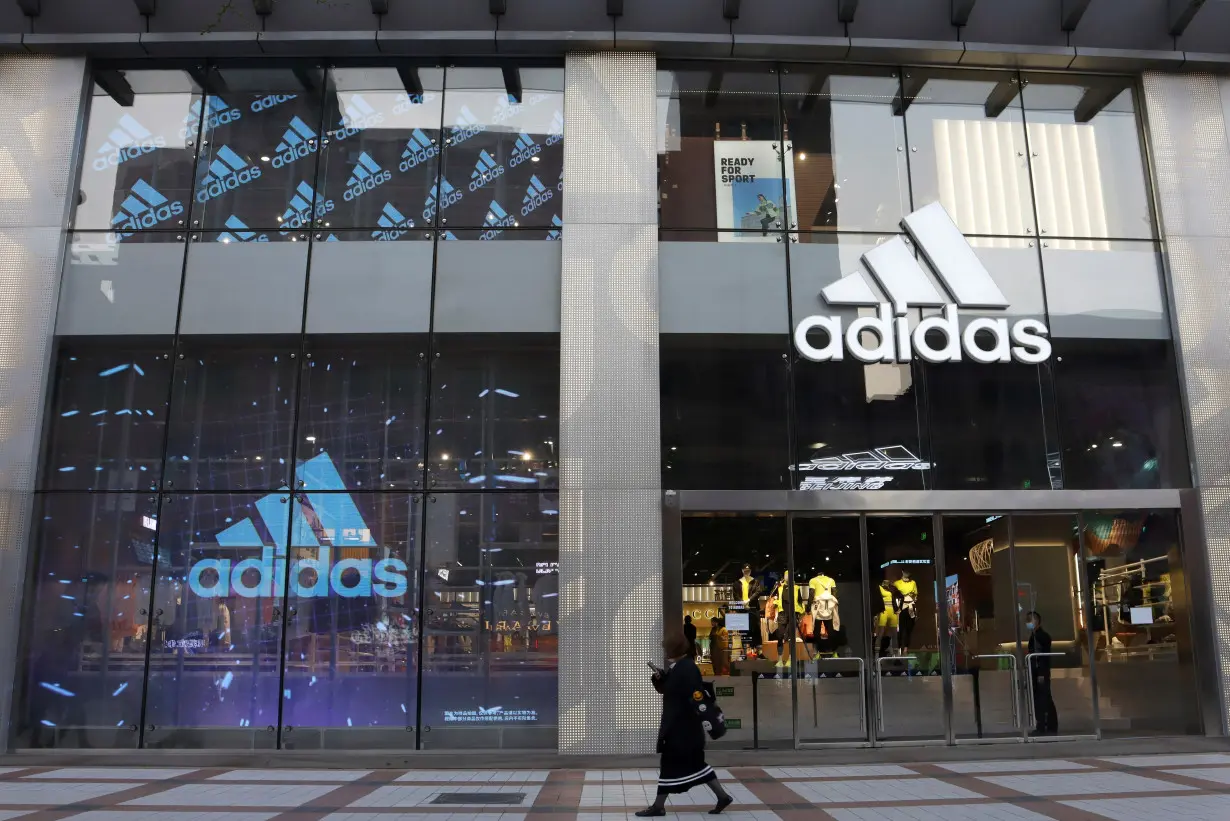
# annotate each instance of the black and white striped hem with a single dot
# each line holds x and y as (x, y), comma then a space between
(687, 782)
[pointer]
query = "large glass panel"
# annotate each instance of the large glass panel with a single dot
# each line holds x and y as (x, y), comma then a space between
(232, 415)
(109, 287)
(1141, 623)
(1120, 414)
(216, 632)
(986, 700)
(370, 282)
(503, 148)
(967, 148)
(1051, 593)
(491, 637)
(720, 152)
(361, 404)
(139, 155)
(490, 288)
(828, 563)
(705, 287)
(1104, 290)
(351, 677)
(86, 626)
(257, 170)
(905, 669)
(382, 143)
(724, 411)
(494, 412)
(734, 567)
(847, 141)
(1086, 156)
(245, 282)
(108, 414)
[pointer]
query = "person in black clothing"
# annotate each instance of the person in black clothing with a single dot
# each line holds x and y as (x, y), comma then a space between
(681, 735)
(1044, 705)
(689, 633)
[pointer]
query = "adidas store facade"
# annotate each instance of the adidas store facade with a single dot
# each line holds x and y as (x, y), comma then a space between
(400, 403)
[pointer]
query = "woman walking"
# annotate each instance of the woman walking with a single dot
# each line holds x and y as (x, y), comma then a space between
(681, 735)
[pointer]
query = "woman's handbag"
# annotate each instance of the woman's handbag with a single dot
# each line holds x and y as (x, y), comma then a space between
(704, 702)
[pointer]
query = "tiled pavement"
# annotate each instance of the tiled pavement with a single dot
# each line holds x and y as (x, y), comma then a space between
(1193, 787)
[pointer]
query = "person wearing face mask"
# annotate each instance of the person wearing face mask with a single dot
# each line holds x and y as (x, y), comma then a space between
(908, 588)
(1044, 705)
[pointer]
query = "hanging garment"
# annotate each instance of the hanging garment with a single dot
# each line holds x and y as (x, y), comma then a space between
(824, 609)
(909, 596)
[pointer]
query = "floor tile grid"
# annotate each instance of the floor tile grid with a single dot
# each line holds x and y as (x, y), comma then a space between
(344, 796)
(1176, 774)
(777, 796)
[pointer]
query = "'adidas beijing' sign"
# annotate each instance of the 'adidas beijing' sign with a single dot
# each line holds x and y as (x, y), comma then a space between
(905, 285)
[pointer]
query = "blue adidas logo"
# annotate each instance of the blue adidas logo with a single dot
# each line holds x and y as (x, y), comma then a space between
(367, 175)
(466, 126)
(556, 225)
(327, 519)
(301, 211)
(555, 131)
(128, 140)
(536, 195)
(448, 196)
(486, 171)
(496, 221)
(144, 207)
(393, 223)
(217, 113)
(508, 107)
(525, 149)
(270, 101)
(419, 149)
(358, 116)
(240, 232)
(225, 172)
(448, 235)
(408, 101)
(298, 141)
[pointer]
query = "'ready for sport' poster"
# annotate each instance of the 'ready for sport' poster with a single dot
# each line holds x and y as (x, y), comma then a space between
(752, 195)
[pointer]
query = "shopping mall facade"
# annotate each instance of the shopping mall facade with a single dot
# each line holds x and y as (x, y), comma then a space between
(391, 379)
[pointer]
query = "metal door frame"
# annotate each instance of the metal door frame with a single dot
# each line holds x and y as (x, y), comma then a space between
(935, 503)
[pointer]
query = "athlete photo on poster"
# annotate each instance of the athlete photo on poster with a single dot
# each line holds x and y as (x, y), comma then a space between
(752, 195)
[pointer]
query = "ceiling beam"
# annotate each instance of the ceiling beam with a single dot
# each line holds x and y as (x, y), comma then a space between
(961, 10)
(380, 6)
(1181, 14)
(209, 79)
(147, 7)
(263, 7)
(512, 84)
(730, 9)
(714, 91)
(911, 86)
(1072, 11)
(309, 78)
(1095, 99)
(410, 80)
(615, 8)
(1001, 97)
(815, 90)
(846, 10)
(117, 88)
(497, 7)
(31, 8)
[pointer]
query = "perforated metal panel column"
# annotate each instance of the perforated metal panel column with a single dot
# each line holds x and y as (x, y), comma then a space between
(1187, 123)
(610, 480)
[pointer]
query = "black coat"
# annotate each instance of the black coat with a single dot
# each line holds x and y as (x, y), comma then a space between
(681, 735)
(1040, 642)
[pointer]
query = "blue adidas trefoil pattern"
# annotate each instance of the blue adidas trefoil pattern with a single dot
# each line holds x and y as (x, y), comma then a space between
(225, 172)
(271, 101)
(466, 126)
(357, 116)
(524, 150)
(128, 140)
(238, 231)
(298, 141)
(367, 176)
(556, 225)
(144, 207)
(393, 224)
(496, 221)
(449, 196)
(303, 208)
(555, 131)
(419, 149)
(536, 196)
(217, 113)
(486, 171)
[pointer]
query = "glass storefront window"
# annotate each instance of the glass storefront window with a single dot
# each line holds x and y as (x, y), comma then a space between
(1086, 156)
(491, 621)
(967, 148)
(139, 158)
(720, 154)
(122, 287)
(88, 621)
(238, 281)
(847, 143)
(1104, 290)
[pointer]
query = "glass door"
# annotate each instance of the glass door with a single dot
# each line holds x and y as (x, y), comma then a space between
(835, 637)
(906, 668)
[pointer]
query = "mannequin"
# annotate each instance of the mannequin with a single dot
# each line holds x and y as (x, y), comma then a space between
(887, 622)
(783, 613)
(749, 591)
(908, 589)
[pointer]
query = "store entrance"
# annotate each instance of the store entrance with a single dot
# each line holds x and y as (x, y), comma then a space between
(876, 629)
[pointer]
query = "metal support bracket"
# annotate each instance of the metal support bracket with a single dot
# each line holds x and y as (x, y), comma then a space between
(1181, 14)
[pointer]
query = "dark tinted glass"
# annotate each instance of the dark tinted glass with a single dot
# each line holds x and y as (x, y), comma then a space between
(724, 403)
(108, 414)
(1119, 414)
(232, 416)
(494, 411)
(858, 427)
(87, 620)
(491, 652)
(362, 403)
(352, 604)
(990, 427)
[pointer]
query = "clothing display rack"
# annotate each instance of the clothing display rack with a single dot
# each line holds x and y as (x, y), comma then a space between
(1111, 597)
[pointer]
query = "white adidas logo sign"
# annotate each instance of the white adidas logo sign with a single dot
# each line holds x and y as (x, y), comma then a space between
(907, 285)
